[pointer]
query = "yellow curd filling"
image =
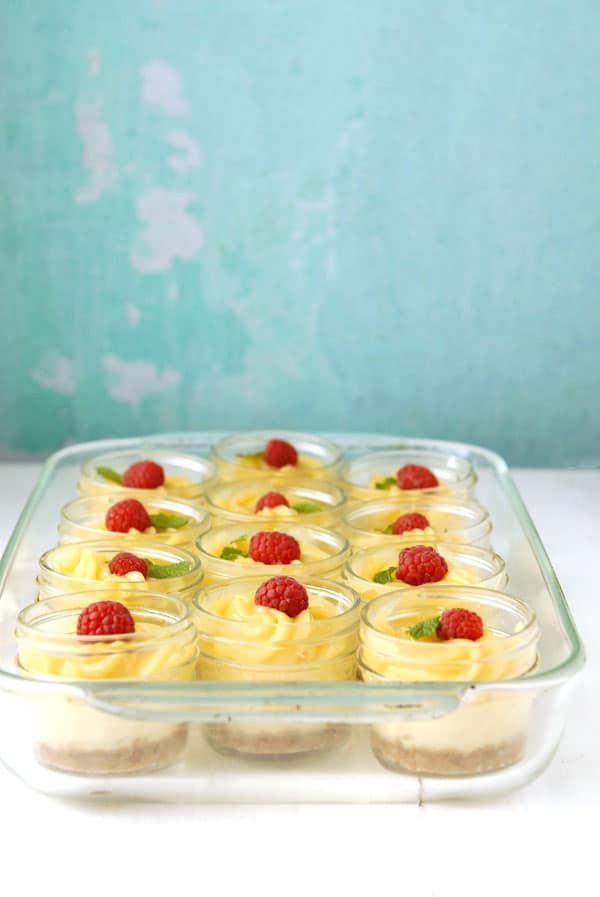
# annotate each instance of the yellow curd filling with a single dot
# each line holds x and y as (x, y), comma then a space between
(100, 524)
(246, 504)
(426, 531)
(308, 553)
(236, 629)
(85, 564)
(173, 485)
(430, 659)
(256, 461)
(456, 575)
(385, 486)
(119, 658)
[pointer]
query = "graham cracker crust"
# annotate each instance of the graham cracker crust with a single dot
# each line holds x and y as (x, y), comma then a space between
(240, 738)
(141, 755)
(408, 758)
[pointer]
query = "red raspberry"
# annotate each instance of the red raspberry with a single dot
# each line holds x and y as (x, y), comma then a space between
(126, 562)
(459, 623)
(278, 453)
(105, 618)
(273, 548)
(413, 476)
(282, 593)
(126, 515)
(406, 522)
(271, 500)
(144, 475)
(419, 564)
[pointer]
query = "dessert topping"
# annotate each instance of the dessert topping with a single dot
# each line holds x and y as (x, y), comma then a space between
(230, 553)
(460, 623)
(144, 475)
(107, 473)
(413, 476)
(420, 564)
(271, 500)
(307, 507)
(283, 593)
(387, 575)
(166, 571)
(424, 628)
(105, 618)
(167, 521)
(125, 562)
(386, 483)
(453, 623)
(274, 548)
(126, 515)
(279, 453)
(407, 522)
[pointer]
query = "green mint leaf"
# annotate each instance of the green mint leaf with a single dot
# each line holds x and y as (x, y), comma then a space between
(386, 483)
(109, 474)
(167, 521)
(388, 530)
(166, 571)
(230, 553)
(241, 540)
(252, 456)
(386, 575)
(424, 628)
(307, 507)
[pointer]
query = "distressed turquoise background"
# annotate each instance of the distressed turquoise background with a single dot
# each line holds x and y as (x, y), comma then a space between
(314, 213)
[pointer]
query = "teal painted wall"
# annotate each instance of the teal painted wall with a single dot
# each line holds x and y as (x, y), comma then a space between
(315, 213)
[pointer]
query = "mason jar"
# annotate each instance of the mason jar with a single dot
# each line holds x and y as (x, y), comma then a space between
(373, 476)
(83, 520)
(186, 476)
(467, 566)
(240, 641)
(488, 728)
(322, 552)
(80, 566)
(369, 523)
(242, 456)
(73, 736)
(314, 502)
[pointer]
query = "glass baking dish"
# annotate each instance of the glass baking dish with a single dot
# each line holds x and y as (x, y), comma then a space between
(348, 771)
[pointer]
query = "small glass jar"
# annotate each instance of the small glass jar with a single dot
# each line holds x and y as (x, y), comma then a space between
(369, 477)
(313, 502)
(242, 642)
(240, 456)
(186, 476)
(366, 523)
(488, 728)
(322, 552)
(82, 520)
(70, 734)
(466, 566)
(83, 566)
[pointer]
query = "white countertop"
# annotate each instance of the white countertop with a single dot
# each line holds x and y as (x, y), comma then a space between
(541, 840)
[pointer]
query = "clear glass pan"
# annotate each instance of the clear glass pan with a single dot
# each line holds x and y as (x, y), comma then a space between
(348, 772)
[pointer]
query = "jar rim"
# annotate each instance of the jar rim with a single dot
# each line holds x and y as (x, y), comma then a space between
(413, 455)
(433, 599)
(321, 585)
(175, 616)
(198, 514)
(203, 466)
(296, 530)
(172, 553)
(476, 516)
(261, 437)
(495, 563)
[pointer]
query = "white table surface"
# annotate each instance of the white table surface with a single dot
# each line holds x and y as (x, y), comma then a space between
(540, 840)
